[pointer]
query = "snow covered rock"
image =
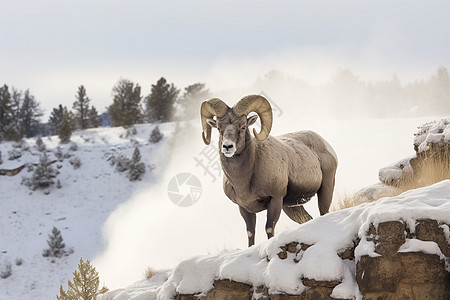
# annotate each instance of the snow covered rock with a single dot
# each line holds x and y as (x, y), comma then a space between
(432, 133)
(397, 173)
(431, 162)
(393, 248)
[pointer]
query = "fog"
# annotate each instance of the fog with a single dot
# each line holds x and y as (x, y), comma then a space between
(149, 230)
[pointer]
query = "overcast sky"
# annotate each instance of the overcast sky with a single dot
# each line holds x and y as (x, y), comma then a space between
(53, 46)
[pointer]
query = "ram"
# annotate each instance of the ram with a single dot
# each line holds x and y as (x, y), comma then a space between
(267, 172)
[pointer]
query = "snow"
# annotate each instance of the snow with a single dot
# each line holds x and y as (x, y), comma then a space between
(415, 245)
(432, 132)
(394, 172)
(328, 235)
(79, 208)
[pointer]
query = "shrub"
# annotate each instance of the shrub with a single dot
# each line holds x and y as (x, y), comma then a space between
(55, 243)
(75, 162)
(150, 272)
(19, 261)
(40, 145)
(137, 168)
(85, 284)
(14, 154)
(73, 146)
(58, 153)
(43, 174)
(5, 270)
(156, 135)
(122, 163)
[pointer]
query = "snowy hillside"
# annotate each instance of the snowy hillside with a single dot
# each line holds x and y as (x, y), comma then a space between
(328, 236)
(78, 208)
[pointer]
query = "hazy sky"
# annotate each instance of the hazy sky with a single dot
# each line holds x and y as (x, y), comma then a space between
(53, 46)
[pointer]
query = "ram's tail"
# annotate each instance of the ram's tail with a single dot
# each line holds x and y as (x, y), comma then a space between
(297, 213)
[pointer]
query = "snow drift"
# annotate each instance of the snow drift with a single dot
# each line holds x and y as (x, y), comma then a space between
(328, 236)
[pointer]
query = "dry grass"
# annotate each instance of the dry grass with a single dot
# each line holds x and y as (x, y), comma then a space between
(433, 169)
(150, 272)
(433, 172)
(347, 200)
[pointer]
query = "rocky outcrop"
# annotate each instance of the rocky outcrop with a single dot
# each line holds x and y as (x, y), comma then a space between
(405, 275)
(405, 265)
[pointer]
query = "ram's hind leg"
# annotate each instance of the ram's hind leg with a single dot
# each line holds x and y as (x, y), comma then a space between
(325, 193)
(250, 222)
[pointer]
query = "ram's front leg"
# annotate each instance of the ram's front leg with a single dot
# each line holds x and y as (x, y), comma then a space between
(250, 222)
(274, 207)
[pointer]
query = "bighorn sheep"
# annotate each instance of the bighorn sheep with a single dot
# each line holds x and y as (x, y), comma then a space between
(266, 172)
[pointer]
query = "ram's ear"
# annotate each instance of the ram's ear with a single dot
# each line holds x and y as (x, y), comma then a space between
(251, 120)
(212, 123)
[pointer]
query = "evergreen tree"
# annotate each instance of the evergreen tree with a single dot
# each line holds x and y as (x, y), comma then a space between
(137, 168)
(65, 130)
(85, 284)
(56, 118)
(43, 174)
(160, 103)
(55, 244)
(16, 103)
(156, 135)
(29, 115)
(6, 113)
(192, 98)
(94, 120)
(125, 110)
(81, 107)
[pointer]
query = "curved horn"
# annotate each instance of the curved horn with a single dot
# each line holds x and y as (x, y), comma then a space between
(259, 105)
(209, 109)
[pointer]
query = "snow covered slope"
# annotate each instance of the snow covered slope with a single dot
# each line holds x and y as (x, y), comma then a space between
(78, 209)
(328, 236)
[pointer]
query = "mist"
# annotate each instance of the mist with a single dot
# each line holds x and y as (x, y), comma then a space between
(149, 230)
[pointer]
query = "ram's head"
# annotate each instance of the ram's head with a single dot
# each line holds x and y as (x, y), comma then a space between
(233, 123)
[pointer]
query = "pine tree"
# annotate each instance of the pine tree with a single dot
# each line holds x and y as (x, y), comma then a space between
(56, 117)
(43, 174)
(156, 135)
(192, 98)
(55, 243)
(125, 110)
(85, 284)
(6, 112)
(94, 119)
(29, 115)
(160, 103)
(137, 168)
(65, 130)
(81, 107)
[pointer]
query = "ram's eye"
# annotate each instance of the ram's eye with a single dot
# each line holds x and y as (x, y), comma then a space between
(243, 127)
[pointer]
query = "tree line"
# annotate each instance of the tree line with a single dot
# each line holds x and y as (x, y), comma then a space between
(20, 112)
